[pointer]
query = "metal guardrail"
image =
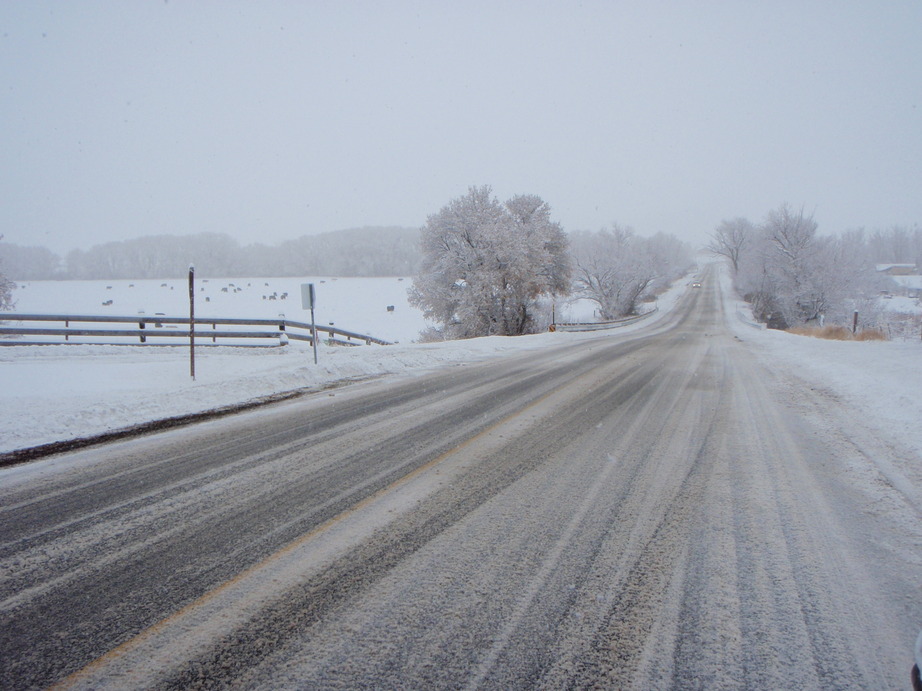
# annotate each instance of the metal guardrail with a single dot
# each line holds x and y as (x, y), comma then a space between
(599, 326)
(748, 320)
(283, 331)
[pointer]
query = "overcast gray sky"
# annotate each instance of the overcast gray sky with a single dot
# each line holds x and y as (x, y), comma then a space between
(271, 120)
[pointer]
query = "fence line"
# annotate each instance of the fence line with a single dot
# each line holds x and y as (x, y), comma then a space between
(284, 330)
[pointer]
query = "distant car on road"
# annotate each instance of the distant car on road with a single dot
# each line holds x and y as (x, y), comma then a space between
(696, 284)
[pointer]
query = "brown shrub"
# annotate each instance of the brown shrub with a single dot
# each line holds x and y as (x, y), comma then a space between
(835, 333)
(838, 333)
(871, 335)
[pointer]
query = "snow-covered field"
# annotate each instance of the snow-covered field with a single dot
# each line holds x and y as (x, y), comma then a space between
(58, 393)
(354, 304)
(55, 393)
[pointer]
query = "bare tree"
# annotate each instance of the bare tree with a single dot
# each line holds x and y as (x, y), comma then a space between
(615, 268)
(6, 291)
(897, 245)
(29, 263)
(371, 251)
(730, 239)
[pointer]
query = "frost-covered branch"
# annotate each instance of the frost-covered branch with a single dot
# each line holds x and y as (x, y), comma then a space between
(615, 268)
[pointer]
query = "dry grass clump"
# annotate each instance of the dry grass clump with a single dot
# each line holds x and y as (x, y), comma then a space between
(871, 335)
(838, 333)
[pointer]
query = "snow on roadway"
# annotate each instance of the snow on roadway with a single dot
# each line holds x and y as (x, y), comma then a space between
(873, 389)
(55, 393)
(879, 379)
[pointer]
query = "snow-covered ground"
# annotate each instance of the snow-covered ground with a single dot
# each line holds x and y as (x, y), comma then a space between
(882, 379)
(901, 303)
(56, 393)
(910, 283)
(355, 304)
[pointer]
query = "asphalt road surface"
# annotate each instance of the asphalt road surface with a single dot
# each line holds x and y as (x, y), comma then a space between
(645, 510)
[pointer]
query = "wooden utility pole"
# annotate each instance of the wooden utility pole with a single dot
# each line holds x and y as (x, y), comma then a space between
(192, 321)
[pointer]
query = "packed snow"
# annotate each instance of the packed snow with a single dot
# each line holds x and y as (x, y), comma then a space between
(57, 393)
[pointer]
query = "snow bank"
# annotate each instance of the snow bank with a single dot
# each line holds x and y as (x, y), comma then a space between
(57, 393)
(882, 379)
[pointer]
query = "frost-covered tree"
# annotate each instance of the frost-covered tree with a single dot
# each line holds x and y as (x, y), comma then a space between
(29, 263)
(844, 279)
(896, 245)
(485, 265)
(373, 251)
(671, 257)
(793, 276)
(793, 237)
(757, 280)
(6, 290)
(612, 269)
(729, 240)
(778, 272)
(615, 268)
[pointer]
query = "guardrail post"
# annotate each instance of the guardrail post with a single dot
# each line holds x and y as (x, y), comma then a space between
(143, 337)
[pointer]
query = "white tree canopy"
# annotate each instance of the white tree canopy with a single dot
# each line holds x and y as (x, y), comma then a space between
(486, 265)
(793, 276)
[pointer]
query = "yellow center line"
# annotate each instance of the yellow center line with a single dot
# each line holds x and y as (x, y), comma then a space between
(202, 600)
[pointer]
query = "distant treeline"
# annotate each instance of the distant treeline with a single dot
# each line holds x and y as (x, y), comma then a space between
(371, 251)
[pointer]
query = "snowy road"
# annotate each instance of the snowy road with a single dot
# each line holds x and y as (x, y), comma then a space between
(650, 510)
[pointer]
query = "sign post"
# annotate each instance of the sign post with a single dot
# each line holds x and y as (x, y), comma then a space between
(308, 298)
(192, 321)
